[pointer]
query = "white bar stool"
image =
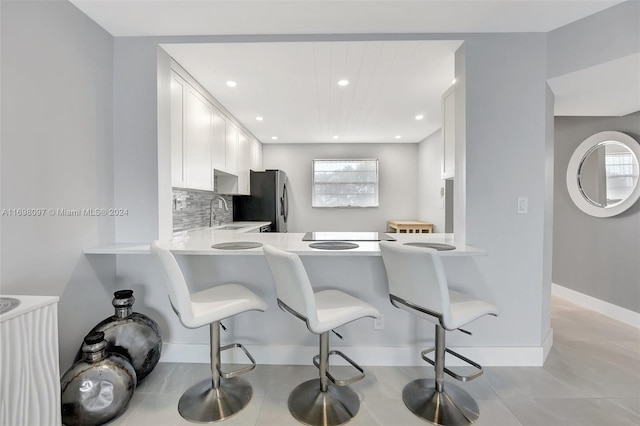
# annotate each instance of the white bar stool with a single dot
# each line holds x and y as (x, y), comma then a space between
(327, 400)
(417, 284)
(224, 394)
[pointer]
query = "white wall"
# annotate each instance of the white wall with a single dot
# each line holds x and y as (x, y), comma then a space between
(398, 188)
(57, 152)
(430, 203)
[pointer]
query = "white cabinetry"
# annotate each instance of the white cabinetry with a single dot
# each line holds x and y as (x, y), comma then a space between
(206, 143)
(191, 135)
(256, 155)
(244, 160)
(177, 146)
(219, 143)
(448, 133)
(232, 149)
(228, 179)
(198, 134)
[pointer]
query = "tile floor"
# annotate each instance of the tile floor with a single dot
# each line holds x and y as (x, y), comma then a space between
(591, 377)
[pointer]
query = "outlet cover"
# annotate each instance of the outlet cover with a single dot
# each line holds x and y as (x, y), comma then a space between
(378, 323)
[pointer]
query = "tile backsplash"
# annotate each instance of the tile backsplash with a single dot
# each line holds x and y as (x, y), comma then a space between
(195, 209)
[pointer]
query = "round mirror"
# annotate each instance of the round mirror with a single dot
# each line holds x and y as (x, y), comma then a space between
(602, 176)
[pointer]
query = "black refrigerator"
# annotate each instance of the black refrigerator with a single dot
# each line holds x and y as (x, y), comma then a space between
(268, 200)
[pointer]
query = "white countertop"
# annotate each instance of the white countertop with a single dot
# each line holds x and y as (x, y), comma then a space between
(199, 242)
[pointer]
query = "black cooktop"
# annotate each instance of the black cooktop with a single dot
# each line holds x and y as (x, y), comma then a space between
(346, 236)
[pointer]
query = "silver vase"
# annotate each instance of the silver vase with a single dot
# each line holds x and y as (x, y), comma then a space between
(98, 388)
(133, 335)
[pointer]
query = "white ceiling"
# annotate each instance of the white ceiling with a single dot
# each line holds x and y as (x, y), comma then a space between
(293, 85)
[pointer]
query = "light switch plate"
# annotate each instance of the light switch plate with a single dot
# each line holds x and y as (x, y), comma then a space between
(523, 205)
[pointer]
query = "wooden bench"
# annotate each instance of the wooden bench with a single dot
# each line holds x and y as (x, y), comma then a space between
(409, 226)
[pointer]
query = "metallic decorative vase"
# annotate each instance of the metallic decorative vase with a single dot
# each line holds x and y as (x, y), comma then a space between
(98, 388)
(131, 334)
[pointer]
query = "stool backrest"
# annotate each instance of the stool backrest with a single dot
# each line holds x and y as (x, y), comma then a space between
(416, 275)
(174, 280)
(293, 287)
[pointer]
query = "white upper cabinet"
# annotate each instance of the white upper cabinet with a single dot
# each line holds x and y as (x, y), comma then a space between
(219, 148)
(449, 133)
(256, 155)
(244, 161)
(177, 146)
(198, 135)
(203, 138)
(232, 149)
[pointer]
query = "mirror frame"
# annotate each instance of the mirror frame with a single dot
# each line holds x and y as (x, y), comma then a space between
(574, 167)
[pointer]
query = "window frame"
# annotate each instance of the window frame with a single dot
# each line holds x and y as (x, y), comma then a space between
(316, 204)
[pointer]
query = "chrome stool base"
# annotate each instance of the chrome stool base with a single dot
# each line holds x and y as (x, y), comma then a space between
(203, 404)
(450, 407)
(309, 405)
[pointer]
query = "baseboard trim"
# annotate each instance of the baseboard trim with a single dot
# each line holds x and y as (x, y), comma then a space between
(547, 344)
(499, 356)
(610, 310)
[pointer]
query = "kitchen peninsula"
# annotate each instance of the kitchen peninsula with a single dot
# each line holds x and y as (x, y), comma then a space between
(270, 335)
(199, 242)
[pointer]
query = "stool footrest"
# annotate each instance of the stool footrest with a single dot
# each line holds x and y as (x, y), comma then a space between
(239, 371)
(341, 382)
(451, 373)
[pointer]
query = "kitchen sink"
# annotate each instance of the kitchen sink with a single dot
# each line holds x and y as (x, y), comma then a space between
(229, 227)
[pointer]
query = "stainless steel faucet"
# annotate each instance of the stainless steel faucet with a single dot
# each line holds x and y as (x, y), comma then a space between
(212, 216)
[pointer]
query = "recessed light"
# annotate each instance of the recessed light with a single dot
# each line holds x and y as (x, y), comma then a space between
(231, 83)
(343, 83)
(336, 137)
(259, 118)
(453, 81)
(274, 137)
(419, 117)
(398, 136)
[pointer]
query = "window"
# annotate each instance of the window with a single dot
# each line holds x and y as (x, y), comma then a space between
(345, 183)
(621, 175)
(620, 167)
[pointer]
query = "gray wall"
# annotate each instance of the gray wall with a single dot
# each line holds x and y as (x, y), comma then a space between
(135, 138)
(595, 256)
(507, 117)
(59, 149)
(506, 123)
(57, 152)
(398, 169)
(606, 36)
